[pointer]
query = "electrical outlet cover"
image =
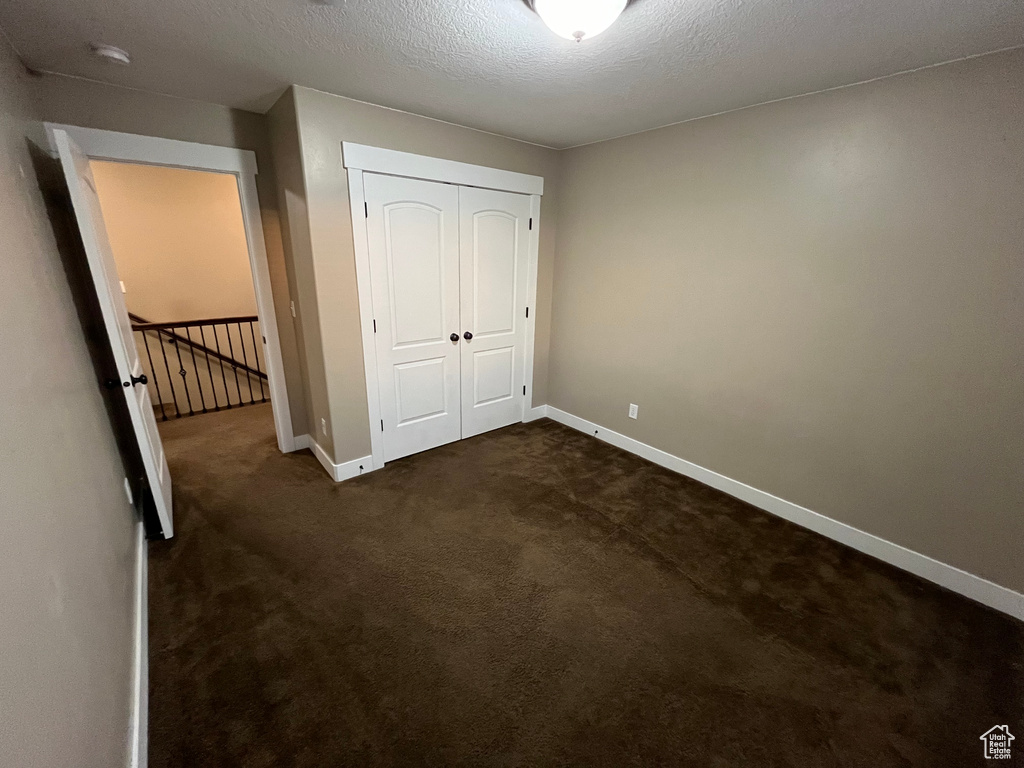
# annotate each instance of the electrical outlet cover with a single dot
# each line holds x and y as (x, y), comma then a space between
(634, 409)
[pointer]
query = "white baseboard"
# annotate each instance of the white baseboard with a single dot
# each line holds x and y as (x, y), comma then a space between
(338, 472)
(346, 470)
(532, 414)
(948, 576)
(138, 723)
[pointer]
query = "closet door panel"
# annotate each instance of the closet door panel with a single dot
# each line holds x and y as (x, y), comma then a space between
(494, 243)
(413, 237)
(494, 272)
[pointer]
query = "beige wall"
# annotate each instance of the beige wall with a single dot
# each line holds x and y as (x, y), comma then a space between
(66, 529)
(323, 122)
(822, 298)
(96, 105)
(283, 129)
(178, 240)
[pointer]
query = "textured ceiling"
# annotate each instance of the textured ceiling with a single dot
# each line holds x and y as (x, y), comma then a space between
(492, 64)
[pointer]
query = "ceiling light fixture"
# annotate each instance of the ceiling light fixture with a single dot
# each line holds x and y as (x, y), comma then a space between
(576, 19)
(110, 53)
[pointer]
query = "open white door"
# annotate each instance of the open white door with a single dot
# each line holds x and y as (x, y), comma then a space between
(115, 319)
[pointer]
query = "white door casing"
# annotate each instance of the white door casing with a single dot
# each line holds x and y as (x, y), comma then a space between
(413, 239)
(241, 163)
(494, 246)
(103, 269)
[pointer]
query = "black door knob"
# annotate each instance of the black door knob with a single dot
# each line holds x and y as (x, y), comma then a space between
(454, 337)
(139, 380)
(467, 335)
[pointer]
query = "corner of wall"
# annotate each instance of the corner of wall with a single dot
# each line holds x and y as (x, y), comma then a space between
(282, 125)
(330, 286)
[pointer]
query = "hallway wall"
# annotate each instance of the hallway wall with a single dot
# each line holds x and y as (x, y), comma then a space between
(67, 531)
(178, 240)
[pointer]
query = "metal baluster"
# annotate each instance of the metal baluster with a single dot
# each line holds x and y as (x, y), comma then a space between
(199, 382)
(231, 350)
(256, 352)
(245, 359)
(152, 369)
(182, 372)
(216, 340)
(170, 378)
(171, 333)
(209, 368)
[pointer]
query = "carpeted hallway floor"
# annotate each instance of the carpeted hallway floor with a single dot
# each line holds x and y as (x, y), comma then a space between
(534, 597)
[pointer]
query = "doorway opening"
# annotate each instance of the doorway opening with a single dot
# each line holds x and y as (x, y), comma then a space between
(139, 175)
(179, 243)
(79, 150)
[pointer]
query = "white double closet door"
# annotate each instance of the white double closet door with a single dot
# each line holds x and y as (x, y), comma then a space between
(448, 273)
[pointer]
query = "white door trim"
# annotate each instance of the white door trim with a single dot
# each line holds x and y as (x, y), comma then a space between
(531, 294)
(358, 159)
(241, 163)
(138, 724)
(395, 163)
(357, 201)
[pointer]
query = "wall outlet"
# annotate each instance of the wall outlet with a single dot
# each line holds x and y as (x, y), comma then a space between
(633, 410)
(323, 426)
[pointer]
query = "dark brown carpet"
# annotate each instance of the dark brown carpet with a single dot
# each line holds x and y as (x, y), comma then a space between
(535, 597)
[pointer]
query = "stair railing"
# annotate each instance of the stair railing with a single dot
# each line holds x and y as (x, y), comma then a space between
(203, 356)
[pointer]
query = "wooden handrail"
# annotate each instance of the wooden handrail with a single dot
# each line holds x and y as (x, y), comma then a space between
(141, 324)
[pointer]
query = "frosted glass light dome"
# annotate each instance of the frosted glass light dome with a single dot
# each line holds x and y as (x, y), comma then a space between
(577, 19)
